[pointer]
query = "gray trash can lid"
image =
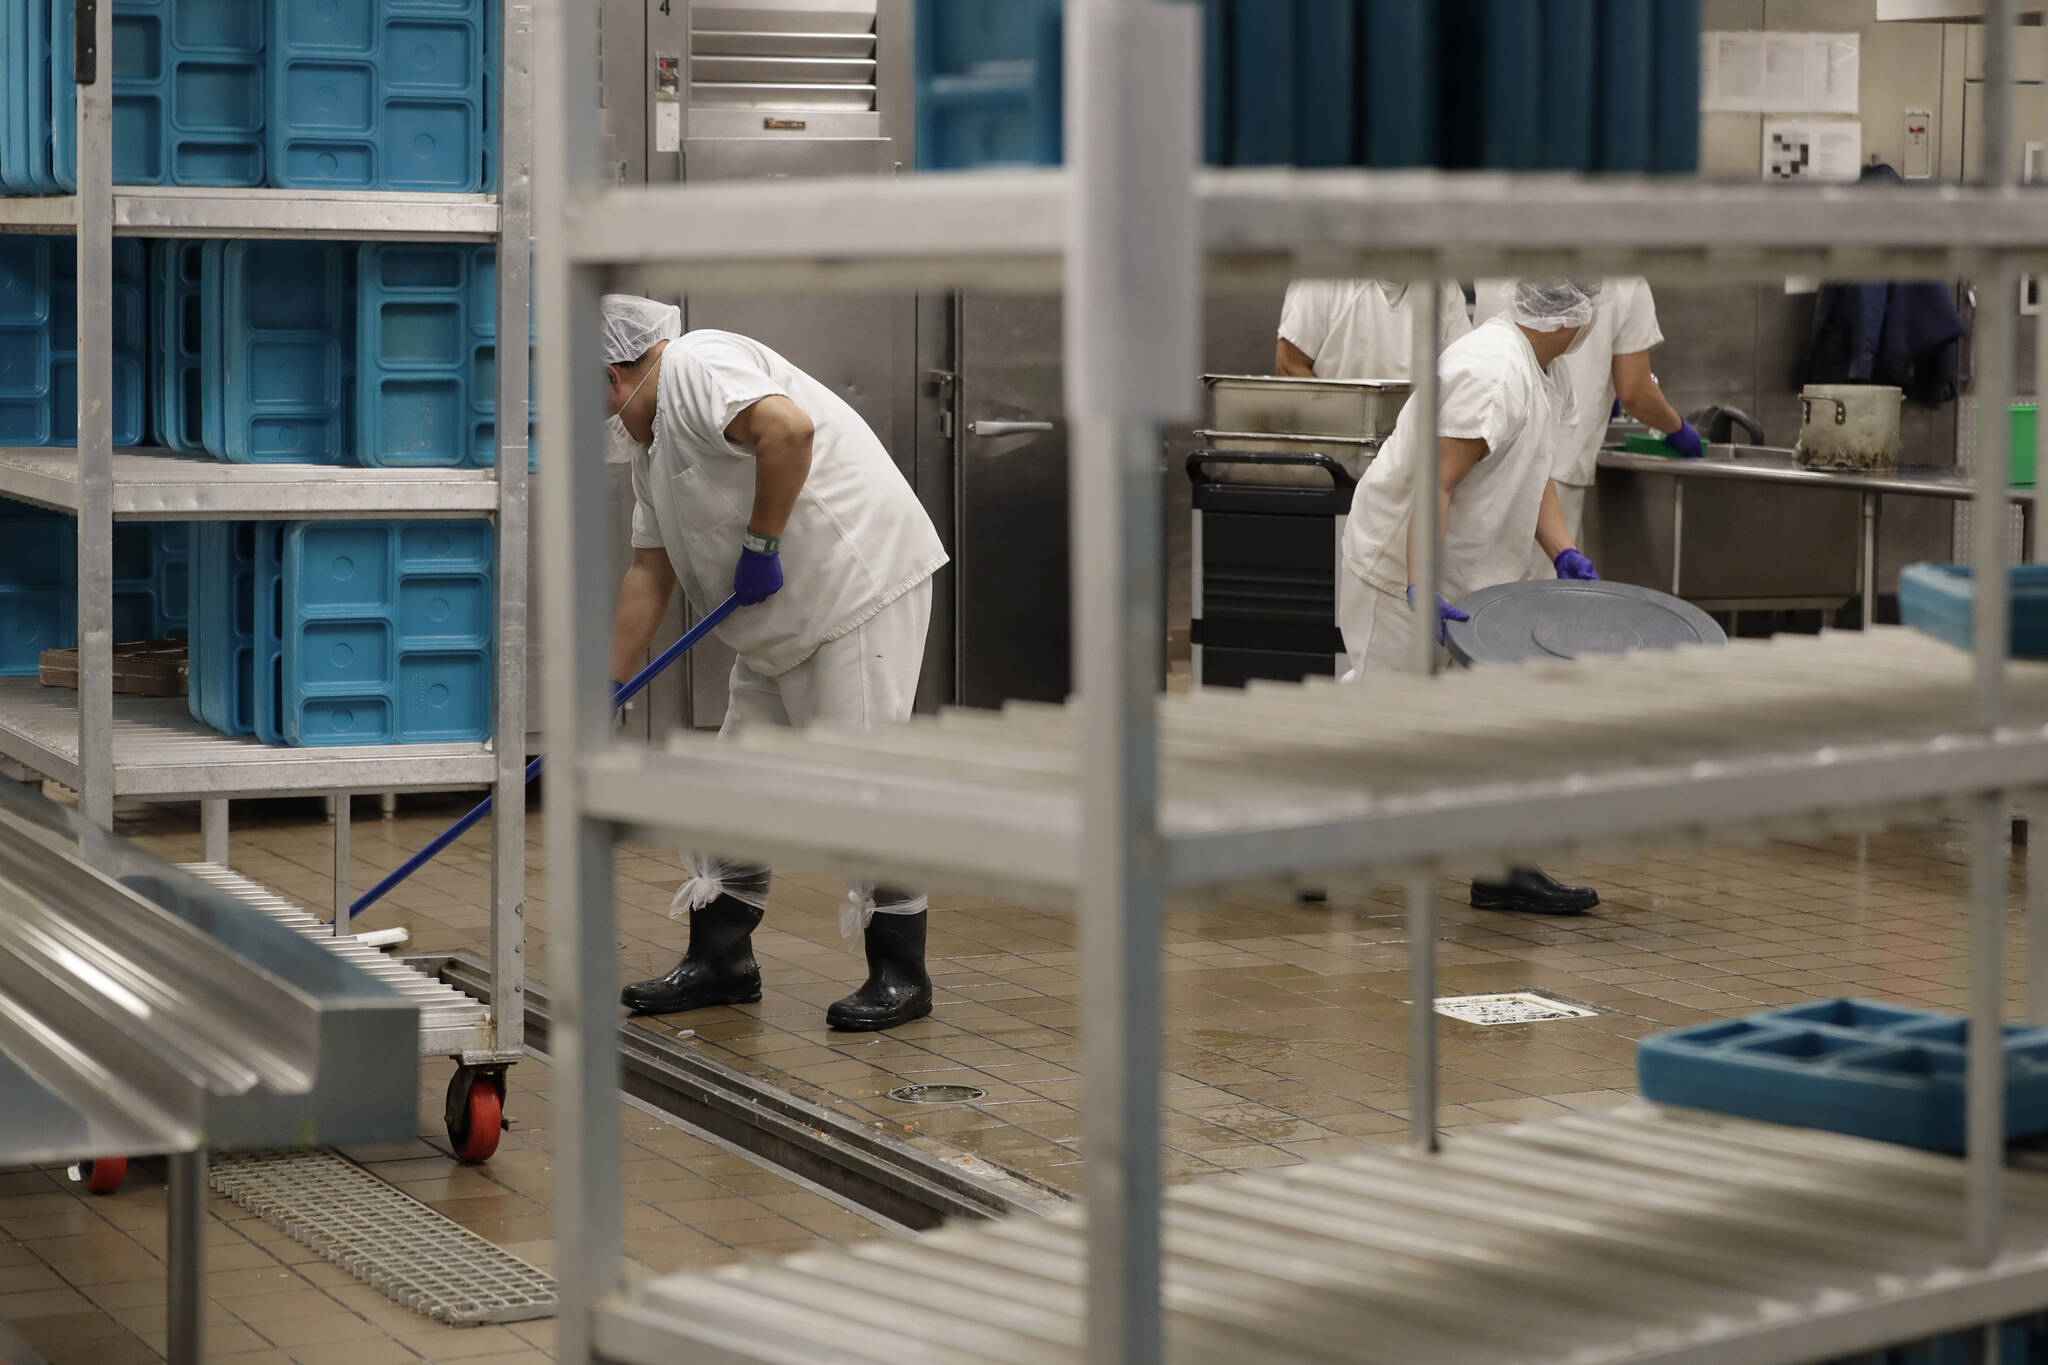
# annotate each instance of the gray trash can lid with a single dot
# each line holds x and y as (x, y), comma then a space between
(1568, 619)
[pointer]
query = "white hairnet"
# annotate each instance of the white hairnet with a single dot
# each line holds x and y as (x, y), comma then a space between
(1553, 305)
(633, 326)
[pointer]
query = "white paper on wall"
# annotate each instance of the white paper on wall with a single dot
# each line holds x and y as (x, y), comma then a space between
(1732, 73)
(1781, 73)
(1817, 150)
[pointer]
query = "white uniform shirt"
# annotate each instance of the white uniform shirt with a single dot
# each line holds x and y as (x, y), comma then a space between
(858, 539)
(1492, 390)
(1624, 323)
(1354, 329)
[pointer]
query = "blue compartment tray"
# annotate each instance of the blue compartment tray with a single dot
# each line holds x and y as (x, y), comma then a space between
(1939, 599)
(1869, 1070)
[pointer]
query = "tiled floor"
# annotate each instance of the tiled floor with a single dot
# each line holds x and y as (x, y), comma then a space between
(1285, 1041)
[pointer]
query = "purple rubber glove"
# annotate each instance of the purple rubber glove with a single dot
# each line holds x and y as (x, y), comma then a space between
(1572, 564)
(1615, 416)
(1445, 614)
(1685, 442)
(758, 577)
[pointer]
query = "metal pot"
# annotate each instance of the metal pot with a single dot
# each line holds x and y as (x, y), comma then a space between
(1850, 426)
(1343, 419)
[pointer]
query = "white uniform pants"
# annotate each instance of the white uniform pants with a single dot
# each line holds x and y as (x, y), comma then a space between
(867, 677)
(1378, 627)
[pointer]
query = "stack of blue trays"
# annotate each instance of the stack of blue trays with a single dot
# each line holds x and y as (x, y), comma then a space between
(39, 341)
(377, 95)
(326, 634)
(38, 585)
(1870, 1070)
(1520, 85)
(277, 351)
(221, 661)
(387, 632)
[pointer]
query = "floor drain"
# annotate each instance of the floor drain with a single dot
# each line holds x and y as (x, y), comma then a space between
(937, 1094)
(1514, 1007)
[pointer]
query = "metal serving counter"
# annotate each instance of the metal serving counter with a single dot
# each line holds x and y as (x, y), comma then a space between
(1631, 542)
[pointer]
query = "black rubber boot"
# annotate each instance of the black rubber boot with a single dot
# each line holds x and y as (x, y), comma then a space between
(1529, 891)
(897, 989)
(718, 968)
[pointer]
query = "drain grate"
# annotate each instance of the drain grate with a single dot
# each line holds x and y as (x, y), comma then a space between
(1513, 1007)
(392, 1242)
(937, 1094)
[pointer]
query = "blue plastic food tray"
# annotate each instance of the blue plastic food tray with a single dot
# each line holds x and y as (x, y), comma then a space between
(377, 94)
(221, 650)
(1938, 599)
(39, 341)
(152, 570)
(179, 398)
(284, 316)
(387, 632)
(988, 83)
(1627, 84)
(1849, 1066)
(425, 366)
(25, 132)
(38, 592)
(267, 632)
(189, 81)
(1675, 98)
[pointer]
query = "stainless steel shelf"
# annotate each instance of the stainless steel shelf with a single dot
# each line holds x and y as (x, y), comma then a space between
(157, 485)
(150, 211)
(1648, 1235)
(1283, 781)
(160, 751)
(1009, 229)
(54, 215)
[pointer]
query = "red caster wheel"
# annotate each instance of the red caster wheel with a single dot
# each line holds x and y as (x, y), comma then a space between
(476, 1113)
(103, 1176)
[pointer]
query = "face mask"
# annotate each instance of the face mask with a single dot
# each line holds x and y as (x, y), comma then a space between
(619, 445)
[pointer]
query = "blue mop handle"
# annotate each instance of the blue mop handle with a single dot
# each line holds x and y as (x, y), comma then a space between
(624, 693)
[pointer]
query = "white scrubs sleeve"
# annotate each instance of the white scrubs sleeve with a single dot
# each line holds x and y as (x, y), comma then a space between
(714, 384)
(1636, 328)
(1474, 407)
(646, 529)
(1305, 317)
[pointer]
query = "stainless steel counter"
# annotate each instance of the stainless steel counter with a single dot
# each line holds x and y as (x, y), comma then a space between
(1776, 466)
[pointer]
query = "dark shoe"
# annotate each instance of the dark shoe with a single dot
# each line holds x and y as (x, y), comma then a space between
(718, 969)
(1528, 891)
(897, 989)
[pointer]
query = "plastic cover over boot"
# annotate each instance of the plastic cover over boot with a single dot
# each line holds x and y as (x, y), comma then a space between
(718, 968)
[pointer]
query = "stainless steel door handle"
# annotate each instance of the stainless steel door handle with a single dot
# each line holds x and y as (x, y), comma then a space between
(991, 430)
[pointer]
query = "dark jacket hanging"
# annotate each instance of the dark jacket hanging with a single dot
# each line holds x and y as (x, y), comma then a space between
(1903, 334)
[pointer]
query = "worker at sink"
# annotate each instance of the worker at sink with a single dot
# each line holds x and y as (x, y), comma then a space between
(1503, 401)
(751, 478)
(1358, 329)
(1611, 364)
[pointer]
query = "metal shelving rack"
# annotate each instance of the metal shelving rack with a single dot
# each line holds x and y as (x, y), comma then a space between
(106, 747)
(1109, 804)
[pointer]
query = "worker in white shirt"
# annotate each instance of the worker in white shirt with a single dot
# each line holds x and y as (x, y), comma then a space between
(1357, 329)
(1611, 364)
(751, 478)
(1500, 396)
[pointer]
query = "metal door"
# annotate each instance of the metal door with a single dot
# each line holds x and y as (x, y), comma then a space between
(1012, 619)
